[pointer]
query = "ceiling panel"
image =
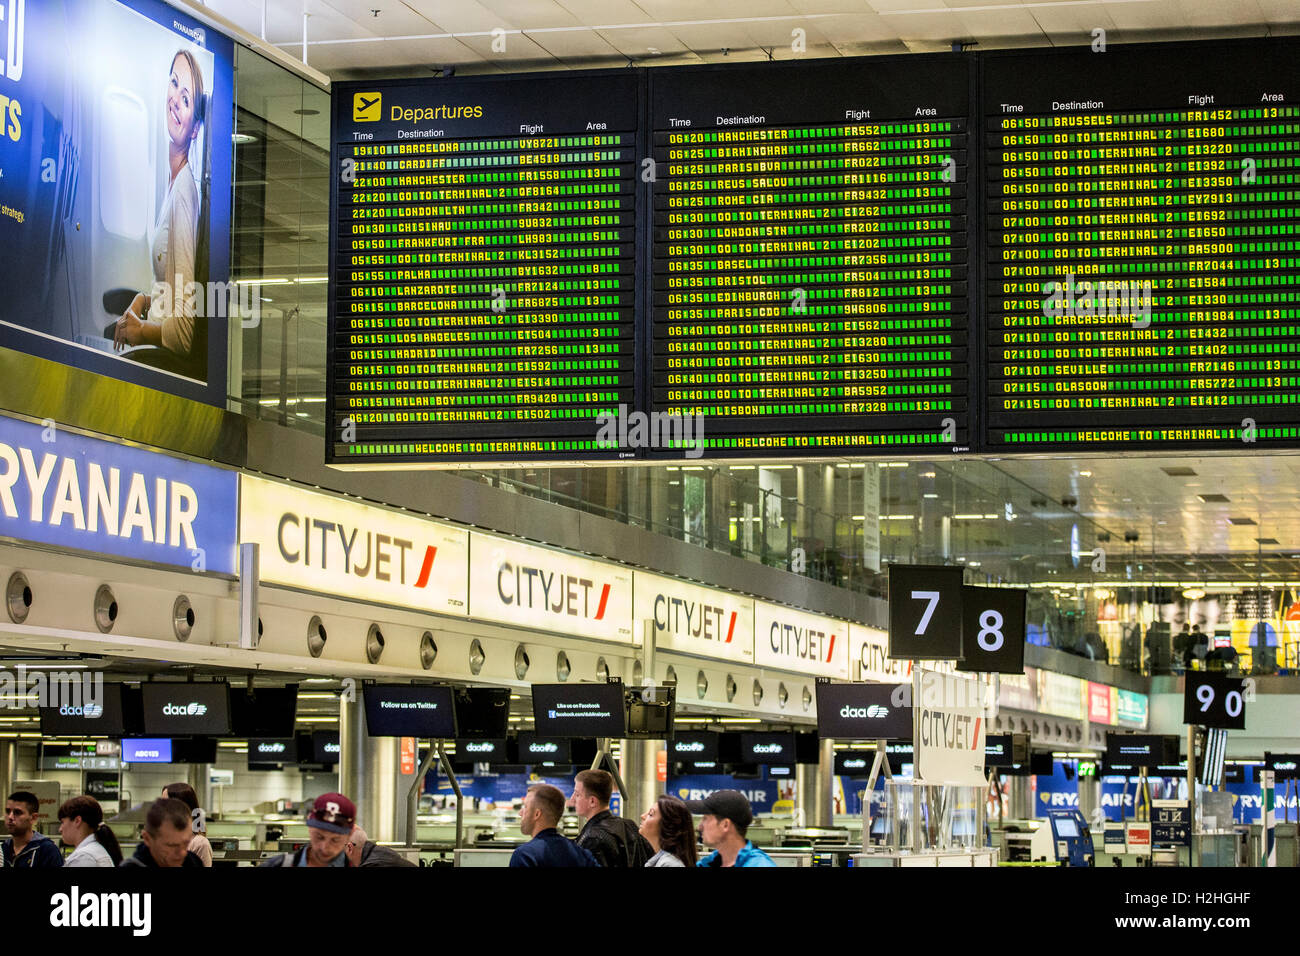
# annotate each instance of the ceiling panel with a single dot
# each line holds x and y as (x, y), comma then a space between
(417, 56)
(636, 42)
(395, 18)
(571, 46)
(529, 14)
(463, 16)
(518, 48)
(600, 12)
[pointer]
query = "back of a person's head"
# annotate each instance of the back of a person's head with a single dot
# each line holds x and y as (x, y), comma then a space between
(168, 810)
(184, 793)
(676, 828)
(550, 800)
(598, 784)
(27, 797)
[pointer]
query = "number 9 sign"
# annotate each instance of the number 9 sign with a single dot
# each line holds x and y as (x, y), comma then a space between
(1215, 701)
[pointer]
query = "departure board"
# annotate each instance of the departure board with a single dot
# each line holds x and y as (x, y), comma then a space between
(1143, 247)
(484, 269)
(809, 271)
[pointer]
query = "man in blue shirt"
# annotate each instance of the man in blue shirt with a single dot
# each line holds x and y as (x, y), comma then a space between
(27, 846)
(539, 817)
(726, 817)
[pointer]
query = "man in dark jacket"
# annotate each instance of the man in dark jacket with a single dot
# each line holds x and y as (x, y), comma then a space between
(362, 851)
(166, 838)
(539, 818)
(26, 846)
(612, 840)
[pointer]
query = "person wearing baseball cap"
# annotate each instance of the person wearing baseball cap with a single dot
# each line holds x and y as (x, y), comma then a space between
(725, 816)
(329, 826)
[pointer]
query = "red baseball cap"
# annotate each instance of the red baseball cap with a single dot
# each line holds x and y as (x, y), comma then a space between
(333, 812)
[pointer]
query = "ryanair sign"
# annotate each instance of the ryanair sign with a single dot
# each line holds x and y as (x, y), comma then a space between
(69, 491)
(690, 619)
(343, 548)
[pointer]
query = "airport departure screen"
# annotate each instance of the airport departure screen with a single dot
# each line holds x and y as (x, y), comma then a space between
(809, 267)
(483, 297)
(1143, 248)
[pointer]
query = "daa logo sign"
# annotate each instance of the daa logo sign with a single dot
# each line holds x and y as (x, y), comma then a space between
(340, 547)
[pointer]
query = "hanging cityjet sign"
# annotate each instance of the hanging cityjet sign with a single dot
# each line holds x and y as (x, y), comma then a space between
(549, 590)
(343, 548)
(695, 620)
(950, 730)
(801, 642)
(66, 490)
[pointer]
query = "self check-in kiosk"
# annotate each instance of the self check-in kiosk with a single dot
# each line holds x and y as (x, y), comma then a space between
(1064, 837)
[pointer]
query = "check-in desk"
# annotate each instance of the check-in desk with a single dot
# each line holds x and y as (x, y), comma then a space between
(962, 859)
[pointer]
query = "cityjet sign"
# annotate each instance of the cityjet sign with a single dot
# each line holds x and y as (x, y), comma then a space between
(549, 590)
(346, 549)
(804, 643)
(871, 656)
(69, 491)
(696, 620)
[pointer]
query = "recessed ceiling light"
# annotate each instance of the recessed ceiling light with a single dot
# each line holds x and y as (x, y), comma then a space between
(1213, 499)
(1085, 474)
(1241, 521)
(1178, 471)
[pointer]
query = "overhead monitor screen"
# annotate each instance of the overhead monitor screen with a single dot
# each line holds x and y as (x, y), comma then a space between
(324, 747)
(264, 711)
(189, 709)
(409, 710)
(543, 749)
(696, 746)
(482, 711)
(767, 748)
(147, 750)
(272, 752)
(862, 712)
(809, 266)
(483, 750)
(1143, 283)
(95, 715)
(579, 710)
(484, 242)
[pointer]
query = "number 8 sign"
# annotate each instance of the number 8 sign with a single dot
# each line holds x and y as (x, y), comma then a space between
(1215, 701)
(993, 630)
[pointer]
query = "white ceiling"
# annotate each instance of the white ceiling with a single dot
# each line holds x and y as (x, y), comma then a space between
(346, 37)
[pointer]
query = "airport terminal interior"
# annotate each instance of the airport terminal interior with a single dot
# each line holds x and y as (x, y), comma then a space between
(886, 409)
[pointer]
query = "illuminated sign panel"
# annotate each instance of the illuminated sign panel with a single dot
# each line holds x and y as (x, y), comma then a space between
(1143, 277)
(809, 273)
(695, 620)
(483, 268)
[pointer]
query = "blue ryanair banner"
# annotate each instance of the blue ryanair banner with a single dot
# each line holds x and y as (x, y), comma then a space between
(66, 490)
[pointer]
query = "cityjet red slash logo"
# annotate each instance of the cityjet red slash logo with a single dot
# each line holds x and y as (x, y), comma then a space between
(553, 591)
(693, 619)
(805, 643)
(314, 542)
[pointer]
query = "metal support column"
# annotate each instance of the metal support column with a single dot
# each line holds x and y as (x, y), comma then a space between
(369, 768)
(641, 771)
(417, 785)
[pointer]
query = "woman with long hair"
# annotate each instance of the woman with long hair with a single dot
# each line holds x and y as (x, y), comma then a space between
(82, 826)
(668, 826)
(166, 316)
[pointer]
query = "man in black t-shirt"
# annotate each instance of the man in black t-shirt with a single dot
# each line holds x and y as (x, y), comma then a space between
(612, 840)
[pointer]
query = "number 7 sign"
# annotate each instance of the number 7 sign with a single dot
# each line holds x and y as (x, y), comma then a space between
(925, 612)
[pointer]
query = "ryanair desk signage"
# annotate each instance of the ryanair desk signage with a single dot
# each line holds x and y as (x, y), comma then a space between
(336, 546)
(66, 490)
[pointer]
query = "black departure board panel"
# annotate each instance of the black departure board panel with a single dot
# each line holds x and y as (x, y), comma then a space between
(809, 274)
(1143, 247)
(484, 275)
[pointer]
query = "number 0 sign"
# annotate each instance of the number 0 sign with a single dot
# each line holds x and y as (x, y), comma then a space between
(993, 630)
(925, 612)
